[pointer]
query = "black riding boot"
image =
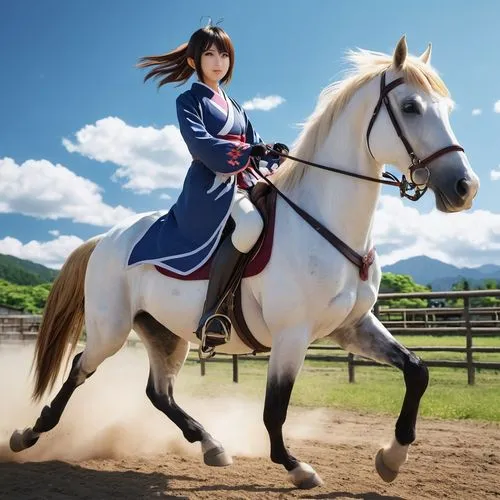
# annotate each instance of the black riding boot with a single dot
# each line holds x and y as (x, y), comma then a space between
(214, 328)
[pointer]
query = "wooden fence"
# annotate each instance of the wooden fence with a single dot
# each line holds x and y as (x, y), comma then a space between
(19, 326)
(468, 322)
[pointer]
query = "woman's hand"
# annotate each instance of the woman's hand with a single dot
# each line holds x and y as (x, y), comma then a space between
(258, 150)
(280, 148)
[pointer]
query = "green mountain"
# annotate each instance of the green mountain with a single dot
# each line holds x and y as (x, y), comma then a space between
(442, 276)
(24, 272)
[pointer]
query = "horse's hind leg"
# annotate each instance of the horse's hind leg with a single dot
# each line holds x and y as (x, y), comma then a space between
(51, 414)
(371, 339)
(100, 345)
(167, 354)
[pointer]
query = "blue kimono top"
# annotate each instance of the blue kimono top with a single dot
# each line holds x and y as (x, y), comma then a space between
(219, 137)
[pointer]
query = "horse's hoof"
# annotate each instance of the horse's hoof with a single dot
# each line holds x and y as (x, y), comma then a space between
(217, 457)
(20, 441)
(305, 477)
(388, 475)
(310, 482)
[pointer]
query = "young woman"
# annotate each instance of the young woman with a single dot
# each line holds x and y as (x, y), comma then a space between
(222, 143)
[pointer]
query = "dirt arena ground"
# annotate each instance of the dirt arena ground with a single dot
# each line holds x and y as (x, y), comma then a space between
(111, 443)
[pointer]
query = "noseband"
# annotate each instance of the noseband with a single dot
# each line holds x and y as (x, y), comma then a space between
(416, 162)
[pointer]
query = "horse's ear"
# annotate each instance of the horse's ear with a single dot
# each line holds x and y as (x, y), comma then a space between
(400, 53)
(426, 56)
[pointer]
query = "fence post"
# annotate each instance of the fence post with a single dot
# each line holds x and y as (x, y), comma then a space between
(202, 367)
(235, 369)
(471, 375)
(350, 368)
(21, 327)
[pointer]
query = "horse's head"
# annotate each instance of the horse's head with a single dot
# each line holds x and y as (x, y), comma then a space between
(410, 129)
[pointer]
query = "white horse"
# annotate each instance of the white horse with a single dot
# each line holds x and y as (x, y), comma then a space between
(308, 289)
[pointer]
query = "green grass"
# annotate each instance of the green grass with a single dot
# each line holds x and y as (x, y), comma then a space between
(377, 389)
(448, 341)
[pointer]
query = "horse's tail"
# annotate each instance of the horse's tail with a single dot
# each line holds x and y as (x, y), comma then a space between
(63, 318)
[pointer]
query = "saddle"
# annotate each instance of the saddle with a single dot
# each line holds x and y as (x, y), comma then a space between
(256, 260)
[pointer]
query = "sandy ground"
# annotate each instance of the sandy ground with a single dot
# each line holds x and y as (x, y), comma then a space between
(111, 443)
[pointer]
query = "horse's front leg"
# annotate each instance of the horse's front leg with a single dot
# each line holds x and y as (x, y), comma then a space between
(287, 356)
(371, 339)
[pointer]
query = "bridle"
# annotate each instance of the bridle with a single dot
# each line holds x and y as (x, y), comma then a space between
(405, 187)
(416, 162)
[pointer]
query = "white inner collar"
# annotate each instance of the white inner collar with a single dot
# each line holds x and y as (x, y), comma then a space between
(219, 91)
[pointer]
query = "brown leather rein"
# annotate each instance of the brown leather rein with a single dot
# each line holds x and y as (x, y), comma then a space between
(363, 262)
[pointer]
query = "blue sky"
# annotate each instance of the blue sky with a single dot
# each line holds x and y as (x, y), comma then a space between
(84, 143)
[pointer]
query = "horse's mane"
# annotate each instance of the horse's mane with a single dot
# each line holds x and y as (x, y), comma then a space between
(365, 65)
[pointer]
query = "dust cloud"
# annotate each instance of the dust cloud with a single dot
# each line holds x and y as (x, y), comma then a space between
(110, 416)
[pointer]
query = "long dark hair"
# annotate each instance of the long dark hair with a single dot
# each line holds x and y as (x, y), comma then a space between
(173, 66)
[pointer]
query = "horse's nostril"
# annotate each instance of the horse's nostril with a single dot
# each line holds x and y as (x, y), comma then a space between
(462, 188)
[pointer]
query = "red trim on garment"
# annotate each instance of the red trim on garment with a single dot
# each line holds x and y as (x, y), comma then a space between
(234, 138)
(235, 154)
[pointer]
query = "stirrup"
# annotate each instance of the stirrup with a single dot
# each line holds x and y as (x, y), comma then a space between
(210, 340)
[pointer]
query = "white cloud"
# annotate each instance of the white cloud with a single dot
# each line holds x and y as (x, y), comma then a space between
(54, 232)
(38, 188)
(495, 174)
(469, 238)
(263, 103)
(48, 253)
(165, 196)
(148, 158)
(496, 107)
(476, 111)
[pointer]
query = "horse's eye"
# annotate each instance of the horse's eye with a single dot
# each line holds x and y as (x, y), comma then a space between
(411, 108)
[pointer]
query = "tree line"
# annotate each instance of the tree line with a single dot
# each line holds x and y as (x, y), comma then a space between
(31, 299)
(403, 283)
